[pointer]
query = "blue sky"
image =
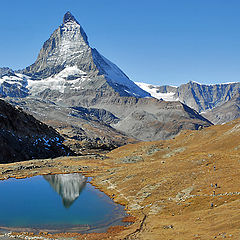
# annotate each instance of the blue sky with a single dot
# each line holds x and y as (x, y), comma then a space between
(154, 41)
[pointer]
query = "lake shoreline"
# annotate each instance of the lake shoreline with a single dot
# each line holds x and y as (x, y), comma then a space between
(61, 165)
(183, 188)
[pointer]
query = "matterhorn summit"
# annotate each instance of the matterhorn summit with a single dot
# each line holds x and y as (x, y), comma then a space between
(68, 47)
(68, 17)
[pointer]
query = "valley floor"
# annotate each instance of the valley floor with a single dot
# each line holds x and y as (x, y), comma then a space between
(184, 188)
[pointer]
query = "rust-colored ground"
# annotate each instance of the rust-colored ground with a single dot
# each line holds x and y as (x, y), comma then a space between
(168, 186)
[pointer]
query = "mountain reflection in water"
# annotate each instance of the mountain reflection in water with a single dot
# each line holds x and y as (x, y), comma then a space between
(68, 186)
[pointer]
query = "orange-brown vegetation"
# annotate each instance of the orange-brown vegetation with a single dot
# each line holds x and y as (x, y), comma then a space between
(184, 188)
(173, 184)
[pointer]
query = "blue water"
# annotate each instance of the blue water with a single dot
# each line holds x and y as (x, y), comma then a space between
(55, 202)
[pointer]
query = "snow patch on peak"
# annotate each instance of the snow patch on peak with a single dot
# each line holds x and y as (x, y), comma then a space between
(213, 84)
(194, 82)
(12, 79)
(14, 85)
(68, 71)
(154, 91)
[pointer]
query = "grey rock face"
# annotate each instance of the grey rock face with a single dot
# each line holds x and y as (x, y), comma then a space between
(152, 119)
(224, 113)
(68, 17)
(219, 103)
(166, 89)
(203, 97)
(199, 96)
(100, 115)
(110, 120)
(67, 46)
(88, 127)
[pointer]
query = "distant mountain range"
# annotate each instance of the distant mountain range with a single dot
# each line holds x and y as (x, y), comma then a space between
(75, 89)
(219, 102)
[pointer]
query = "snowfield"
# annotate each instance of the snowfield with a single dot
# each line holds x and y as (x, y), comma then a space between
(154, 91)
(59, 81)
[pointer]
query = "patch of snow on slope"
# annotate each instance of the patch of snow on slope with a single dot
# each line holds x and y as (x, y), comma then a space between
(59, 81)
(14, 79)
(13, 85)
(72, 40)
(153, 90)
(70, 71)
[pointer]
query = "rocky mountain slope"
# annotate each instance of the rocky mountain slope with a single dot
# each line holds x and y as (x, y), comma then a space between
(68, 74)
(202, 98)
(12, 84)
(152, 119)
(22, 137)
(225, 112)
(84, 129)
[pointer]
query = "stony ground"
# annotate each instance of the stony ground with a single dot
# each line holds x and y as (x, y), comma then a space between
(184, 188)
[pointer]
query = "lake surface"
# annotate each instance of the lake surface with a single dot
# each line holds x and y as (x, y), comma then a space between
(61, 202)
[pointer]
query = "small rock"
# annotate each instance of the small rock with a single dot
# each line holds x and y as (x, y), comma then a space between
(130, 159)
(168, 227)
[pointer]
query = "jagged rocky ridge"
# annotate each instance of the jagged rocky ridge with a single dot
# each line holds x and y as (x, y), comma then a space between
(69, 74)
(22, 137)
(226, 112)
(210, 100)
(204, 97)
(5, 71)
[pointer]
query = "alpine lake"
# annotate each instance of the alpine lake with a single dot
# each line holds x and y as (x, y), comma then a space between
(56, 203)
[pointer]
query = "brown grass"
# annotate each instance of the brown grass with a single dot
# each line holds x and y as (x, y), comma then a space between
(167, 186)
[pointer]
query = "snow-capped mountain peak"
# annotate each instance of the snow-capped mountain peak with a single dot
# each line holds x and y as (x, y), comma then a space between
(68, 47)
